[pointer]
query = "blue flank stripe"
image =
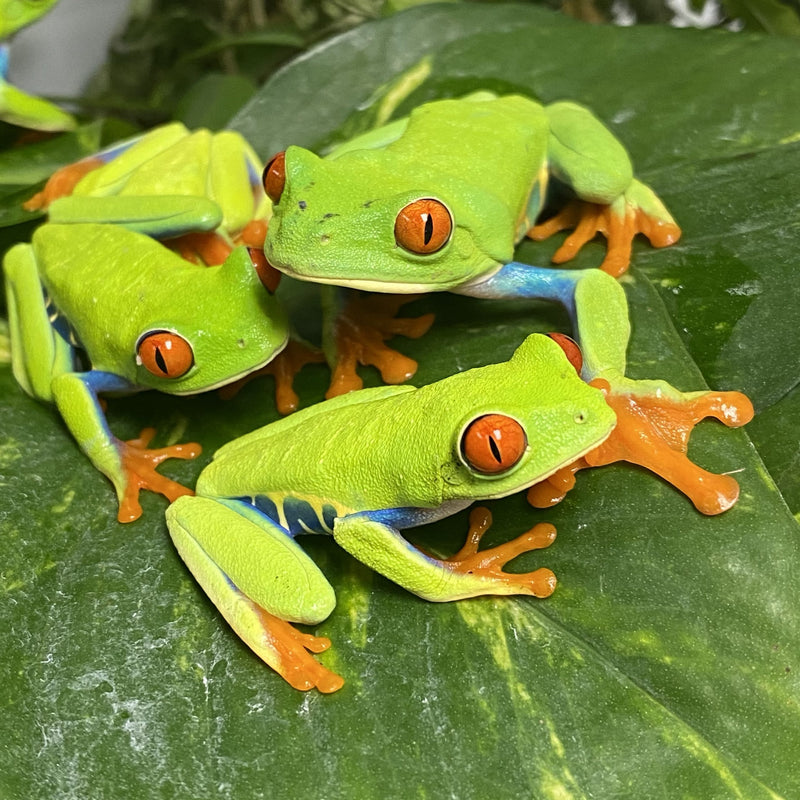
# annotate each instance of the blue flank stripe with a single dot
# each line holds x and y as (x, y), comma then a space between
(265, 505)
(301, 517)
(400, 518)
(299, 514)
(253, 176)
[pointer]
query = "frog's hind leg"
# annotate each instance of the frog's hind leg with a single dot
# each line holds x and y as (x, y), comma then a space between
(261, 581)
(38, 351)
(63, 181)
(585, 155)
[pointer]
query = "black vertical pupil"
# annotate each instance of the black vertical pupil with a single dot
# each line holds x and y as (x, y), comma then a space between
(162, 365)
(428, 227)
(495, 450)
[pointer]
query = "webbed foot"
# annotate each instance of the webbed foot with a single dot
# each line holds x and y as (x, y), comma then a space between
(637, 211)
(61, 183)
(489, 563)
(653, 430)
(359, 335)
(553, 489)
(291, 657)
(139, 469)
(284, 367)
(204, 248)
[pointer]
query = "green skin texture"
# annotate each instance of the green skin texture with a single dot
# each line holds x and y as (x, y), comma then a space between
(327, 454)
(108, 285)
(334, 222)
(170, 181)
(16, 14)
(16, 106)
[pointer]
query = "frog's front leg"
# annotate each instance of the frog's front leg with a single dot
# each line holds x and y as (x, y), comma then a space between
(129, 465)
(654, 420)
(373, 537)
(654, 423)
(585, 155)
(284, 368)
(260, 580)
(356, 325)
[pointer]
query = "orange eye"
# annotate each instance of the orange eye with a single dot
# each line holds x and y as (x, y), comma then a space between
(274, 177)
(423, 226)
(493, 443)
(165, 354)
(570, 348)
(267, 274)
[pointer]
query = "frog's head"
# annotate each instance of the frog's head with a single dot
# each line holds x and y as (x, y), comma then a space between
(377, 220)
(520, 421)
(223, 323)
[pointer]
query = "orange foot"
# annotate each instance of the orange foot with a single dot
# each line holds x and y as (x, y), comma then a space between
(283, 367)
(489, 563)
(205, 248)
(654, 432)
(61, 183)
(360, 332)
(618, 226)
(139, 468)
(292, 660)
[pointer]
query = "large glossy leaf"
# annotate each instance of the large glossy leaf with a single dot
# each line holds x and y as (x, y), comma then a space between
(665, 665)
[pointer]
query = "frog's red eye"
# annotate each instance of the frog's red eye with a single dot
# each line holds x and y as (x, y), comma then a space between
(493, 443)
(274, 177)
(423, 226)
(165, 354)
(267, 274)
(570, 348)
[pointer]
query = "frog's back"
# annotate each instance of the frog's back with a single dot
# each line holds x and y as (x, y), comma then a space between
(497, 141)
(81, 264)
(328, 452)
(96, 273)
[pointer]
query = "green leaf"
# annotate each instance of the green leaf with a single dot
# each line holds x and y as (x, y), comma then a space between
(213, 100)
(28, 164)
(772, 16)
(665, 665)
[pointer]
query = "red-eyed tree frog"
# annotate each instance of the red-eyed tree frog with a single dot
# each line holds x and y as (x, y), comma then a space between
(200, 190)
(98, 308)
(89, 315)
(16, 106)
(438, 200)
(362, 467)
